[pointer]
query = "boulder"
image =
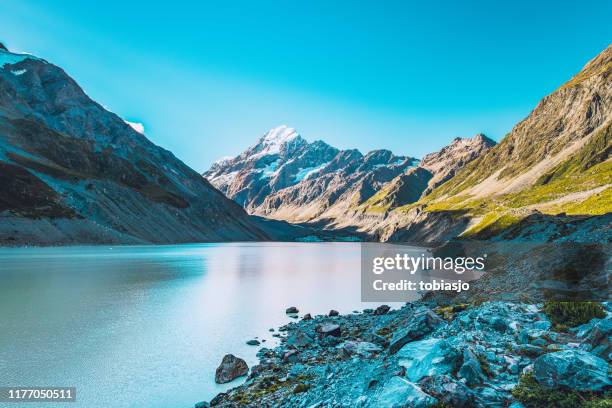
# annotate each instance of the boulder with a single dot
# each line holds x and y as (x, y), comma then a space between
(428, 357)
(329, 341)
(470, 370)
(378, 340)
(299, 339)
(448, 391)
(528, 350)
(398, 392)
(333, 313)
(575, 369)
(329, 329)
(307, 316)
(292, 310)
(382, 309)
(360, 348)
(253, 342)
(598, 337)
(290, 356)
(422, 322)
(231, 367)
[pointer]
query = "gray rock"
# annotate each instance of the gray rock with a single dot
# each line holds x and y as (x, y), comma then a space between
(576, 369)
(430, 357)
(528, 350)
(292, 310)
(329, 341)
(598, 337)
(202, 404)
(470, 369)
(231, 367)
(290, 356)
(448, 391)
(329, 329)
(422, 322)
(360, 348)
(307, 316)
(378, 340)
(333, 313)
(253, 342)
(382, 310)
(299, 339)
(398, 392)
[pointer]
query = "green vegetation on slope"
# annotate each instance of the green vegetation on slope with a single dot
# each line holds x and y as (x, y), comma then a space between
(564, 315)
(533, 395)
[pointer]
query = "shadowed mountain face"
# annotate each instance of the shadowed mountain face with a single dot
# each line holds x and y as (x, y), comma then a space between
(283, 176)
(73, 172)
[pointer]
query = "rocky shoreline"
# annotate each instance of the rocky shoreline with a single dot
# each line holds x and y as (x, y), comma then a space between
(492, 354)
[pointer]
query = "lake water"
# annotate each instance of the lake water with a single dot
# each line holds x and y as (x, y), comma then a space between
(146, 326)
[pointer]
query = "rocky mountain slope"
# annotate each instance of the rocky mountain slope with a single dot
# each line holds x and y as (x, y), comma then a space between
(73, 172)
(334, 189)
(432, 171)
(284, 177)
(553, 166)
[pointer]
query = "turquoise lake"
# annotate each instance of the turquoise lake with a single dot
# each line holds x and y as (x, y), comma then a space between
(146, 326)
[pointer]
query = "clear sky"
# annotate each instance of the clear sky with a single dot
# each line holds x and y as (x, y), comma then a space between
(208, 78)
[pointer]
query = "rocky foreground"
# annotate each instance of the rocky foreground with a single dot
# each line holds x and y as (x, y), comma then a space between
(494, 354)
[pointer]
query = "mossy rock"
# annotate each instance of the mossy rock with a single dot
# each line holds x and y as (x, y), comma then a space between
(533, 395)
(301, 387)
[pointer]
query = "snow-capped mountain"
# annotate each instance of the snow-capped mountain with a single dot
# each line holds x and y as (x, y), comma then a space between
(284, 176)
(73, 172)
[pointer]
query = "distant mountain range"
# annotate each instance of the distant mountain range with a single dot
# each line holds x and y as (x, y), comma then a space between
(283, 176)
(548, 179)
(73, 172)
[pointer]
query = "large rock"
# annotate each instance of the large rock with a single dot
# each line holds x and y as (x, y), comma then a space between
(360, 348)
(231, 368)
(329, 329)
(422, 322)
(299, 339)
(470, 370)
(448, 391)
(598, 337)
(429, 357)
(292, 310)
(399, 393)
(575, 369)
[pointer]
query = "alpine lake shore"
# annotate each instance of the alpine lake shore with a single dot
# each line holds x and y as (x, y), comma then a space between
(431, 354)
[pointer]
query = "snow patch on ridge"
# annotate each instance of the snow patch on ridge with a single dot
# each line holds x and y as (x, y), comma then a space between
(270, 170)
(137, 126)
(308, 171)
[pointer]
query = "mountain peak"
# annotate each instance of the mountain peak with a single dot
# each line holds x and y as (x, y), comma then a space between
(482, 138)
(271, 142)
(280, 134)
(2, 47)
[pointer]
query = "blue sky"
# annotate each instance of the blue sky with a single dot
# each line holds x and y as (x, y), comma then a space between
(208, 78)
